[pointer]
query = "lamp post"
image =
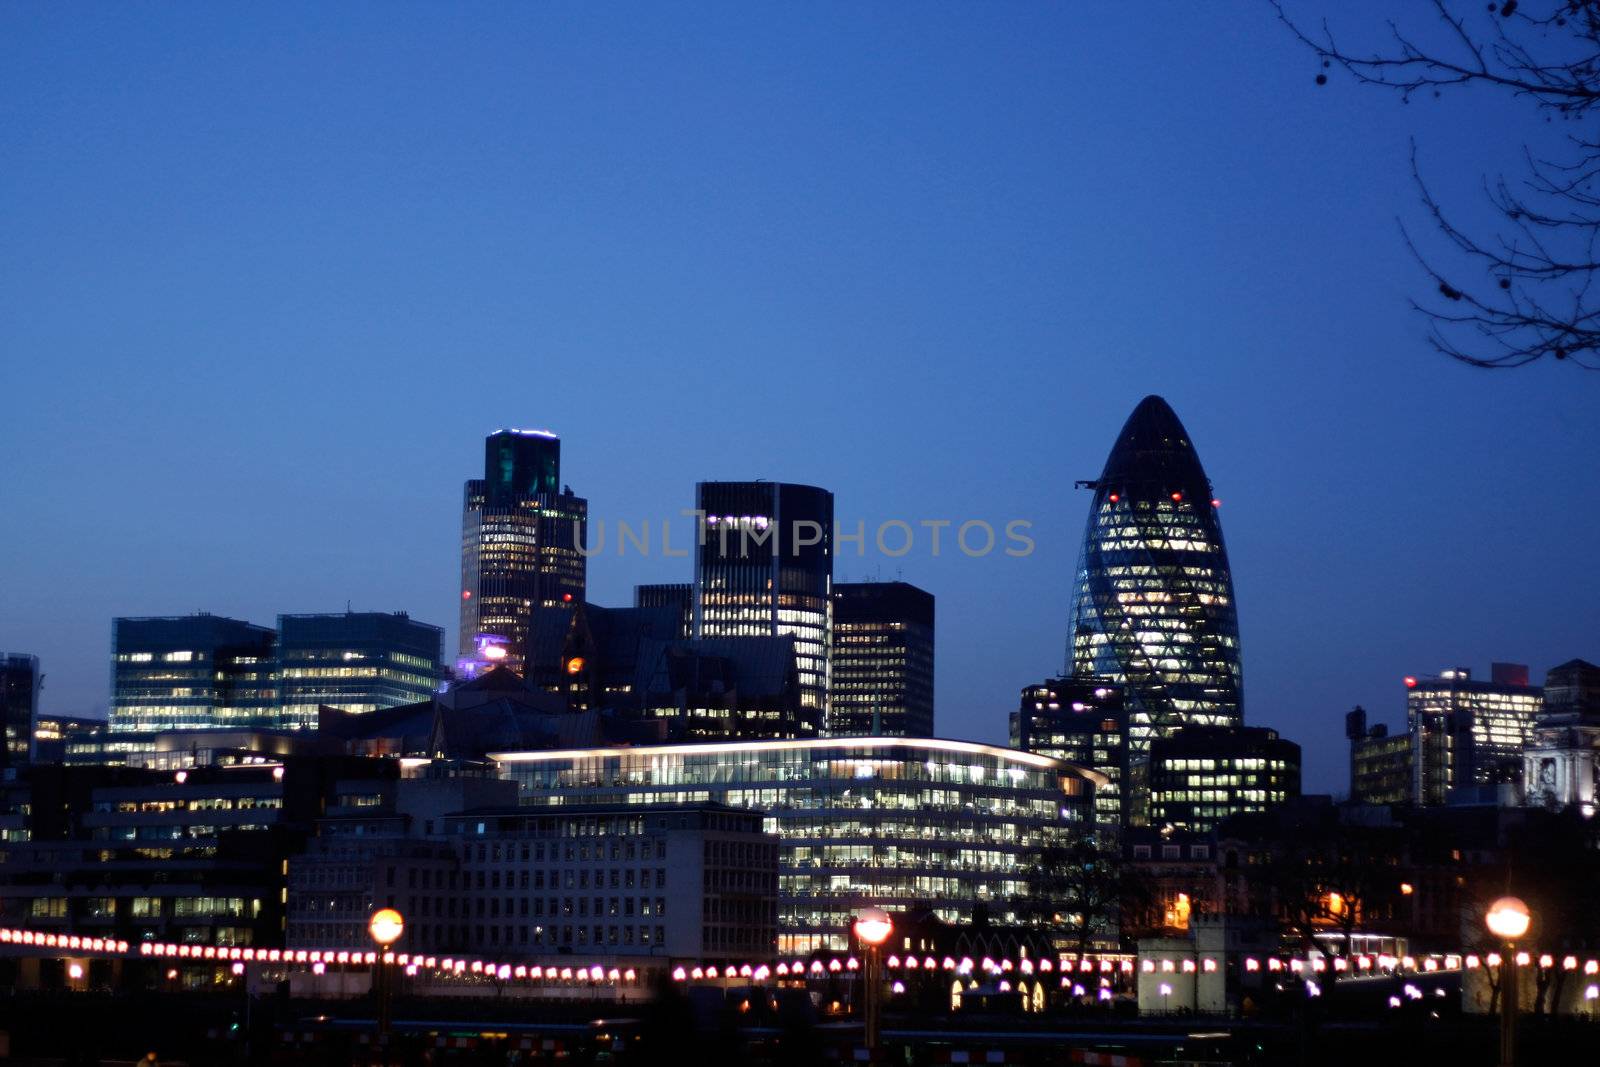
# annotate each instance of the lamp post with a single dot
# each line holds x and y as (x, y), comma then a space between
(1508, 919)
(872, 928)
(385, 926)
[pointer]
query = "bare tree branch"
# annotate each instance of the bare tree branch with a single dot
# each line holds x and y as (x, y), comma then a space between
(1524, 291)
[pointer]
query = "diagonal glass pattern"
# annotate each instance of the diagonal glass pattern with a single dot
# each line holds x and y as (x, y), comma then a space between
(1154, 605)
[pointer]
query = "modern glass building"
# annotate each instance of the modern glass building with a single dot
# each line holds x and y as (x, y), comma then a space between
(355, 661)
(1469, 733)
(522, 535)
(1154, 608)
(20, 682)
(764, 568)
(895, 823)
(882, 672)
(1081, 721)
(1203, 774)
(192, 672)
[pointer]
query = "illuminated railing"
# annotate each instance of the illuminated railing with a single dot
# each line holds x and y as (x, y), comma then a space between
(318, 961)
(1070, 968)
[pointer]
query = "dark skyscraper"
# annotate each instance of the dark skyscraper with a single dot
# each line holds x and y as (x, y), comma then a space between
(19, 706)
(1082, 721)
(765, 569)
(521, 539)
(355, 661)
(1154, 608)
(676, 596)
(882, 660)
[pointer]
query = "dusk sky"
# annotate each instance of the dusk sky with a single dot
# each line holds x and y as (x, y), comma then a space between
(271, 273)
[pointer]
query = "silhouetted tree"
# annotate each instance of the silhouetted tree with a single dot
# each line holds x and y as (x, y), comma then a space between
(1524, 289)
(1074, 887)
(1329, 877)
(1551, 862)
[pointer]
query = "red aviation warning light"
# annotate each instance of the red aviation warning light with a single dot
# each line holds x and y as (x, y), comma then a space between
(1411, 683)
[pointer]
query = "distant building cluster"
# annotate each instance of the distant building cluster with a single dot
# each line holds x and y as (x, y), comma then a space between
(734, 765)
(1499, 741)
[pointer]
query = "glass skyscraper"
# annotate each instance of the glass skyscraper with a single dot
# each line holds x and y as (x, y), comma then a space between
(1154, 608)
(882, 679)
(764, 568)
(355, 661)
(522, 533)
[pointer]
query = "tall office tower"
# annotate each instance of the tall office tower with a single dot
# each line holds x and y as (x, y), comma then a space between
(522, 535)
(1082, 721)
(20, 682)
(1200, 775)
(764, 568)
(355, 661)
(1153, 608)
(882, 682)
(1469, 733)
(675, 596)
(192, 672)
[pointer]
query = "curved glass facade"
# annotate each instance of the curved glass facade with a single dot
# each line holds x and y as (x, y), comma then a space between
(889, 822)
(1154, 607)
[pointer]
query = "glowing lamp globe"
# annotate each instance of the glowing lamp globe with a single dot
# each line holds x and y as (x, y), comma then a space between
(386, 926)
(1508, 918)
(873, 926)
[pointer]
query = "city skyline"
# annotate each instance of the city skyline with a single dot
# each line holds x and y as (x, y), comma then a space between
(973, 273)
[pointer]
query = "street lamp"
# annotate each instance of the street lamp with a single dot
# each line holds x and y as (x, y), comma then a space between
(385, 926)
(1508, 919)
(872, 928)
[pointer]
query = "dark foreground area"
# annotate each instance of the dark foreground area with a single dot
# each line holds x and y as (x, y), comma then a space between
(202, 1029)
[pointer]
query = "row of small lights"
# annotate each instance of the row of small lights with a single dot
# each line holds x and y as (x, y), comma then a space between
(320, 960)
(413, 965)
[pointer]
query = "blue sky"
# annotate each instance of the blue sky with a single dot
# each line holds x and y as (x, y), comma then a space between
(270, 274)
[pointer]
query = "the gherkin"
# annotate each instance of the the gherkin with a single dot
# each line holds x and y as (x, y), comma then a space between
(1154, 608)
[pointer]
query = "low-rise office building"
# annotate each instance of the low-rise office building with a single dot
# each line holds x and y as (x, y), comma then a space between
(1203, 774)
(193, 857)
(689, 881)
(472, 872)
(898, 823)
(1380, 762)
